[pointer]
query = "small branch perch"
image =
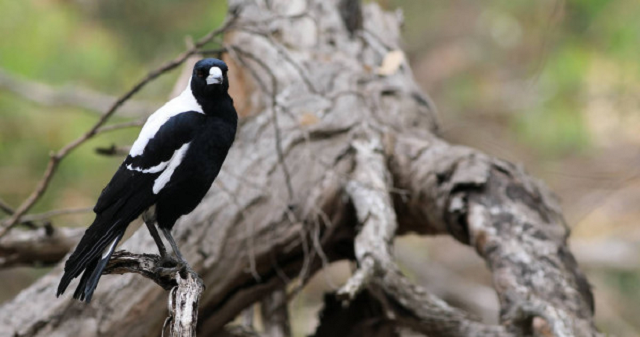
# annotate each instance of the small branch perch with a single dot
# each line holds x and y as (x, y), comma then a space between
(147, 265)
(185, 287)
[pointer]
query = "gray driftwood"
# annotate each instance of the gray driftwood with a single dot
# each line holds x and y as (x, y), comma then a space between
(336, 155)
(42, 246)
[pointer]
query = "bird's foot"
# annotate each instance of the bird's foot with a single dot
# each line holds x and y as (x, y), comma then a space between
(170, 266)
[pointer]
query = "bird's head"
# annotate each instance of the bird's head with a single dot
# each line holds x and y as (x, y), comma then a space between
(209, 77)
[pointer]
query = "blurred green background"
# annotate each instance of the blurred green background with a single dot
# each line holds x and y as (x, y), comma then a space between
(552, 84)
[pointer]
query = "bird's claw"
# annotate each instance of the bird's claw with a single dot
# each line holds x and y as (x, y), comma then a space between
(170, 266)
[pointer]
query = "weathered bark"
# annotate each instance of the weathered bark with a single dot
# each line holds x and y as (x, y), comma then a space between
(42, 246)
(336, 154)
(183, 305)
(184, 284)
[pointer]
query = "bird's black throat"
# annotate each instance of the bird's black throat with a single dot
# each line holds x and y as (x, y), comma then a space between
(218, 105)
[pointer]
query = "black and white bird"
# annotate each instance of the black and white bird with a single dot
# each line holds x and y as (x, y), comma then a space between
(168, 171)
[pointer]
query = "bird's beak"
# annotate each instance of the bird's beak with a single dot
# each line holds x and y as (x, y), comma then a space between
(215, 76)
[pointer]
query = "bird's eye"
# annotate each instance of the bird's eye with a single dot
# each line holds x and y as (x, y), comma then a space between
(200, 73)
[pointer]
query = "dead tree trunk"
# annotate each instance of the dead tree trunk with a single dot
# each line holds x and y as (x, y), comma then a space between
(337, 154)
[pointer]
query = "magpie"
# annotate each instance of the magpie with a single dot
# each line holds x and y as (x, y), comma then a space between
(168, 171)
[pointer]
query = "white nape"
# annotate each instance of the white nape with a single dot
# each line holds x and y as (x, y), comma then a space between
(174, 162)
(185, 102)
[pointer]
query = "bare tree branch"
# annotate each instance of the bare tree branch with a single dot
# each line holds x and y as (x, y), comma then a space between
(147, 265)
(113, 150)
(511, 220)
(5, 207)
(9, 211)
(185, 288)
(42, 246)
(373, 250)
(50, 214)
(70, 96)
(113, 127)
(607, 254)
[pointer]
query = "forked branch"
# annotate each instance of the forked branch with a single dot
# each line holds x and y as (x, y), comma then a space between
(369, 191)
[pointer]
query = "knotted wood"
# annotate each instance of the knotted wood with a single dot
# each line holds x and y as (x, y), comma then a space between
(336, 154)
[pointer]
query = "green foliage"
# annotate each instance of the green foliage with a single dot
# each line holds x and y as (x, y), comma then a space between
(556, 51)
(556, 126)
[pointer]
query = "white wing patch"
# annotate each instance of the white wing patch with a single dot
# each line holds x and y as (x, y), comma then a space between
(154, 169)
(183, 103)
(174, 162)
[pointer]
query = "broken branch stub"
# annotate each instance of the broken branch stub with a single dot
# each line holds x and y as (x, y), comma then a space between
(184, 284)
(183, 304)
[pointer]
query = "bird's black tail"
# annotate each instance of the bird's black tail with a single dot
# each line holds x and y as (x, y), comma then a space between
(93, 271)
(95, 249)
(91, 256)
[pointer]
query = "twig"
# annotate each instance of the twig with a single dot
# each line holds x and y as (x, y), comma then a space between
(250, 235)
(9, 210)
(113, 150)
(235, 50)
(68, 96)
(216, 52)
(286, 55)
(113, 127)
(274, 114)
(62, 153)
(53, 213)
(5, 207)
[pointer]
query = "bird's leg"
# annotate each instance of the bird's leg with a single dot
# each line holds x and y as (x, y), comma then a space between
(149, 219)
(157, 239)
(174, 246)
(170, 266)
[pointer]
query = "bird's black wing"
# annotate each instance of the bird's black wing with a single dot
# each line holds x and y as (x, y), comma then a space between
(133, 189)
(146, 167)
